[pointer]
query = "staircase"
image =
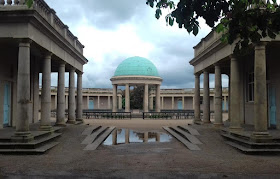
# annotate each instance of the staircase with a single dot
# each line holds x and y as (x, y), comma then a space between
(245, 144)
(43, 141)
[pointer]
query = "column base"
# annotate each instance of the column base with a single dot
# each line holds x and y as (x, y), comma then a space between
(218, 125)
(206, 122)
(46, 128)
(261, 137)
(235, 129)
(198, 122)
(60, 124)
(71, 122)
(22, 137)
(80, 119)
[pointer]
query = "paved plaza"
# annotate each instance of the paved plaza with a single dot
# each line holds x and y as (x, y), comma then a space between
(140, 160)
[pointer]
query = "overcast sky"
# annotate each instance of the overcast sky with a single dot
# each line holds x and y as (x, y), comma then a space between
(113, 30)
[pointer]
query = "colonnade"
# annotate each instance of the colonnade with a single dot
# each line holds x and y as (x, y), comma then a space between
(235, 95)
(24, 100)
(147, 103)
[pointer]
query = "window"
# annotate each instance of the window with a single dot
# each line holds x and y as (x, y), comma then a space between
(250, 86)
(201, 100)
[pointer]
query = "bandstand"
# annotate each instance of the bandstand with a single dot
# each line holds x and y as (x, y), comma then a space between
(136, 71)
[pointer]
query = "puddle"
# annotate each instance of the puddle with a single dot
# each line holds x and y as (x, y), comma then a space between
(125, 136)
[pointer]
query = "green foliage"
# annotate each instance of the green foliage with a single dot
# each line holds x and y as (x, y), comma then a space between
(247, 20)
(136, 97)
(29, 3)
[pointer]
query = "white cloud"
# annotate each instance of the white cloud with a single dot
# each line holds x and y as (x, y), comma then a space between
(115, 30)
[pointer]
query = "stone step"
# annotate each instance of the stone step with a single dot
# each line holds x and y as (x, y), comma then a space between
(30, 145)
(182, 139)
(186, 135)
(40, 150)
(249, 144)
(100, 139)
(90, 130)
(250, 150)
(90, 138)
(191, 130)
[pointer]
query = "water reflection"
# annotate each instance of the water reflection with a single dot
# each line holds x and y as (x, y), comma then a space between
(125, 136)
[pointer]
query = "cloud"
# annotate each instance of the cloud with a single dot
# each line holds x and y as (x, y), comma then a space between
(115, 30)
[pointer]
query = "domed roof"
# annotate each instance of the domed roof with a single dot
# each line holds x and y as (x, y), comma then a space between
(136, 66)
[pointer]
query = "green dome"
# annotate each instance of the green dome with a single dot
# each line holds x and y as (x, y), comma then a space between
(136, 66)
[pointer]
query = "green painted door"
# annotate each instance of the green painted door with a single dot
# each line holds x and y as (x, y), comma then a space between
(7, 101)
(180, 106)
(90, 104)
(272, 106)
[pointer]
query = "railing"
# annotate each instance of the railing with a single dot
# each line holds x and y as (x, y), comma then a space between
(95, 114)
(174, 114)
(48, 14)
(169, 114)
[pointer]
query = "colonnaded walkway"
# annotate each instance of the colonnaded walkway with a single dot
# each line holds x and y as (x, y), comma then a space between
(140, 160)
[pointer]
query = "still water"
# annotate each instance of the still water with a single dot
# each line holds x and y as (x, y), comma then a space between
(125, 136)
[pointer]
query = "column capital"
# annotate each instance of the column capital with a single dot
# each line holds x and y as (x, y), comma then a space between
(62, 64)
(47, 55)
(72, 69)
(217, 64)
(205, 71)
(197, 74)
(232, 57)
(25, 42)
(80, 73)
(261, 45)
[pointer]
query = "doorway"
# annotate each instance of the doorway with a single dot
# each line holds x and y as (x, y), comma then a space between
(7, 104)
(90, 104)
(180, 105)
(272, 106)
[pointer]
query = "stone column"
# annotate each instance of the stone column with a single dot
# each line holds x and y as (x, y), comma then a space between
(197, 98)
(162, 102)
(46, 94)
(260, 95)
(60, 112)
(151, 102)
(120, 102)
(225, 102)
(36, 92)
(146, 98)
(98, 102)
(115, 106)
(218, 97)
(234, 95)
(206, 98)
(229, 97)
(71, 97)
(172, 103)
(79, 116)
(157, 137)
(114, 137)
(127, 98)
(66, 101)
(183, 102)
(157, 98)
(109, 102)
(127, 136)
(146, 137)
(22, 133)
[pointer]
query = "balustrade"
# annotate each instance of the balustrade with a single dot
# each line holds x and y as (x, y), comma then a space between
(50, 15)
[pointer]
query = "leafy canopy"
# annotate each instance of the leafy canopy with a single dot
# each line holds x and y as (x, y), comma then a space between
(250, 20)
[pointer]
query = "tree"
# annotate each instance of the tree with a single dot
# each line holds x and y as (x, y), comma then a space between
(248, 20)
(136, 97)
